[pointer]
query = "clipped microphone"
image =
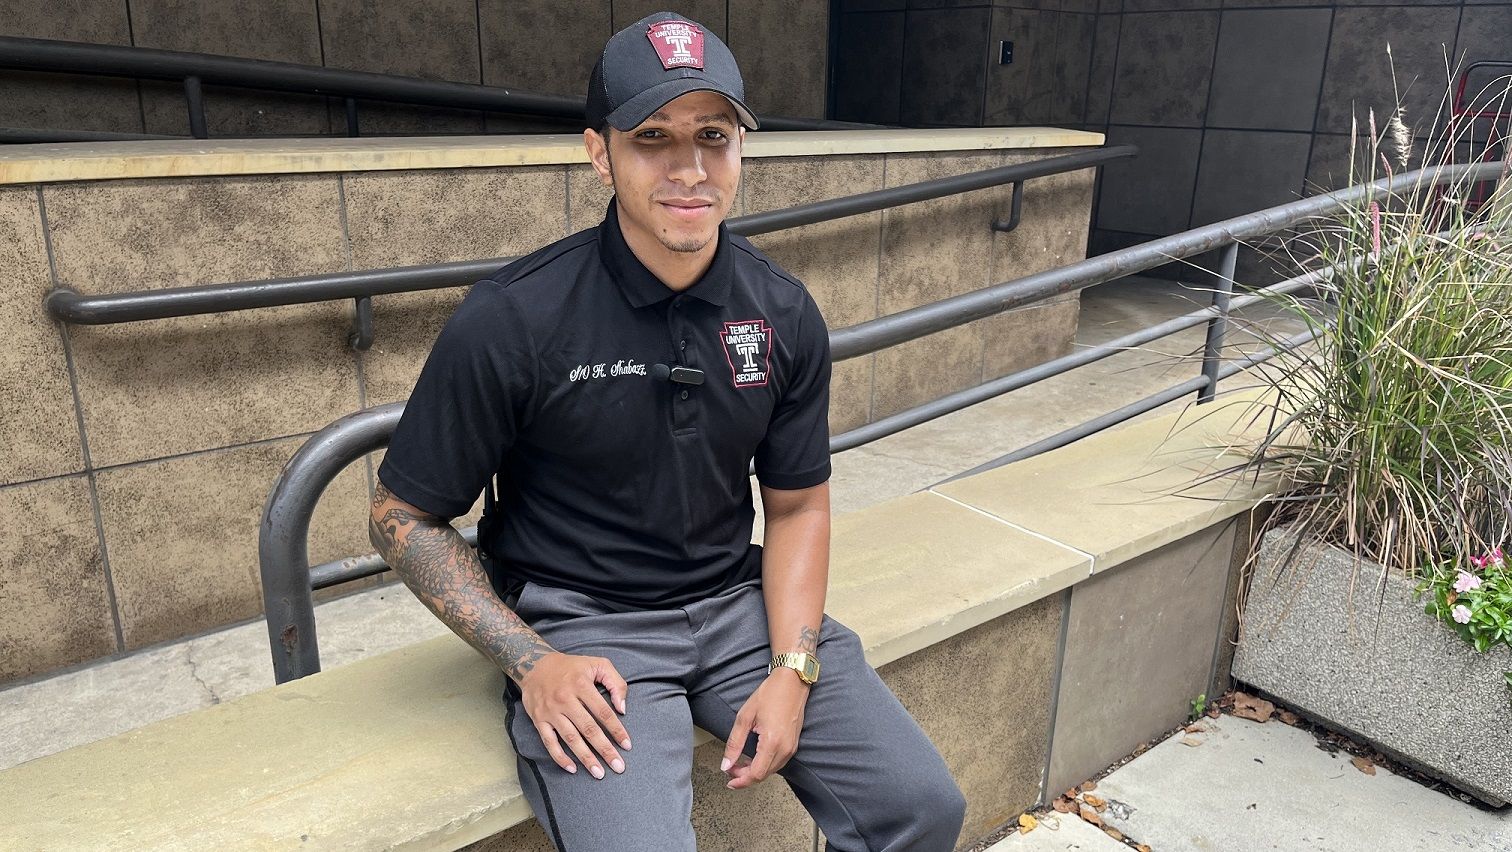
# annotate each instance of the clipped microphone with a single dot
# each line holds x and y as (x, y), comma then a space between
(678, 375)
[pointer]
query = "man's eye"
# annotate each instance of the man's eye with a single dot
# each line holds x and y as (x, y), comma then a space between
(714, 135)
(649, 134)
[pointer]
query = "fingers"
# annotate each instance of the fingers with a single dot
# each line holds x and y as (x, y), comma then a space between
(737, 738)
(762, 766)
(594, 736)
(600, 708)
(570, 732)
(606, 674)
(554, 748)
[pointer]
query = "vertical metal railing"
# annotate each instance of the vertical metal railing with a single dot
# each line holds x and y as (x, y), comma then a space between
(1218, 326)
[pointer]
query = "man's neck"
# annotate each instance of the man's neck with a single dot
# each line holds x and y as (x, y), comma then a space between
(679, 270)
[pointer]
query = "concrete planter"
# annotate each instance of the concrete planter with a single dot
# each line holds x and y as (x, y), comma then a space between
(1379, 668)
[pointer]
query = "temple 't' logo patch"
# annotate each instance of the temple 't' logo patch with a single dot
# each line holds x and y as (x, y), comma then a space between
(748, 348)
(678, 43)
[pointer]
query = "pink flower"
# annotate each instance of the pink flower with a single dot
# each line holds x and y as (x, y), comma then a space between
(1493, 558)
(1466, 581)
(1461, 614)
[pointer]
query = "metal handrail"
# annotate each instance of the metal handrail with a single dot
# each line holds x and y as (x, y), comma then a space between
(283, 550)
(195, 70)
(70, 306)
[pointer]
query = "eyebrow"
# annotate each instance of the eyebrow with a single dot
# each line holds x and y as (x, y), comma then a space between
(711, 118)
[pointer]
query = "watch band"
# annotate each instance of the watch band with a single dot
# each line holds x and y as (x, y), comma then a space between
(806, 664)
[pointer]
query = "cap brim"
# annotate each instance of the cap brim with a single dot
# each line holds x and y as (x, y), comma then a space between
(639, 108)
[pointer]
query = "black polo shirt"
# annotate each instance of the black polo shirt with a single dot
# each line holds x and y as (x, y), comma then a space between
(613, 480)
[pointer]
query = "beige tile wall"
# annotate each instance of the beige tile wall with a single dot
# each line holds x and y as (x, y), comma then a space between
(187, 421)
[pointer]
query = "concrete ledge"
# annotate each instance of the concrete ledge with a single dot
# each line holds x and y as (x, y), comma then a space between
(47, 163)
(1126, 491)
(406, 750)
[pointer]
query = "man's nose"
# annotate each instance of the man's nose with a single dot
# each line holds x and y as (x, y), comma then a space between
(686, 167)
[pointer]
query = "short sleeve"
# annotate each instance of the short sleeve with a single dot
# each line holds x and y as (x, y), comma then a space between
(795, 451)
(466, 406)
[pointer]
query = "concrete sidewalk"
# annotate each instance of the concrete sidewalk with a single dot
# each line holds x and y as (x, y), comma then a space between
(1243, 785)
(113, 696)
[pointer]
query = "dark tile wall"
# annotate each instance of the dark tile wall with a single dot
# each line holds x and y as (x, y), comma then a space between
(546, 46)
(1236, 105)
(1249, 103)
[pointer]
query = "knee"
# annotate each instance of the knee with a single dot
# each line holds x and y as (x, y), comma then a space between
(941, 808)
(950, 804)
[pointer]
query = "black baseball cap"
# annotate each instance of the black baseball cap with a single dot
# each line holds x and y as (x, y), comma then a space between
(654, 60)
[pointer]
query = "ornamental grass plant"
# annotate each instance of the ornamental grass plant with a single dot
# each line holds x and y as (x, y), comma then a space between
(1393, 427)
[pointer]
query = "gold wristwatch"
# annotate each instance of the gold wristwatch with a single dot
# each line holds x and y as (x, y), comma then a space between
(806, 664)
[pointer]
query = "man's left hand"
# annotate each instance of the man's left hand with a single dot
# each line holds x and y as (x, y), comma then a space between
(775, 713)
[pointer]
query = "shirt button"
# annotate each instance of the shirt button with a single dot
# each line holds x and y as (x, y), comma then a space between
(684, 394)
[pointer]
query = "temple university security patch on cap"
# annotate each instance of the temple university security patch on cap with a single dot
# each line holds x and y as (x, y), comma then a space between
(678, 43)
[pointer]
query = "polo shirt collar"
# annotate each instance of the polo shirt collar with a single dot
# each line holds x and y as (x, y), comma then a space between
(641, 287)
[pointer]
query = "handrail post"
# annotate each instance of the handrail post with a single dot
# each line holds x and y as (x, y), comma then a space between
(361, 337)
(283, 552)
(1217, 330)
(195, 95)
(351, 116)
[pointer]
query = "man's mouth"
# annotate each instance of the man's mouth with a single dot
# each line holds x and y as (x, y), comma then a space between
(687, 208)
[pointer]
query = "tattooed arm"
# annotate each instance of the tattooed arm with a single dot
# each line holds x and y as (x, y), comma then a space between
(794, 574)
(437, 564)
(558, 690)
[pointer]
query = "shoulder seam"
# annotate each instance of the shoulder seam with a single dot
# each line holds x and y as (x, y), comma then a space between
(755, 254)
(586, 237)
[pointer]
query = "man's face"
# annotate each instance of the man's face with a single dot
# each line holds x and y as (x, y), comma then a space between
(675, 176)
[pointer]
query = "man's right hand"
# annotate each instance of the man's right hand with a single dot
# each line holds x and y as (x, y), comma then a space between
(561, 696)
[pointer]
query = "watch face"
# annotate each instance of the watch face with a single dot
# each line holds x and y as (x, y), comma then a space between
(810, 670)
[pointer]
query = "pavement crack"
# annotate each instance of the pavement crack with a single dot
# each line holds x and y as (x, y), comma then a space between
(194, 673)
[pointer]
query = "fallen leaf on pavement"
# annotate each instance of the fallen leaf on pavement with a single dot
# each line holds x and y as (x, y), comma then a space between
(1190, 741)
(1249, 707)
(1289, 717)
(1062, 805)
(1095, 801)
(1143, 847)
(1027, 823)
(1089, 786)
(1113, 833)
(1072, 793)
(1090, 815)
(1198, 728)
(1364, 765)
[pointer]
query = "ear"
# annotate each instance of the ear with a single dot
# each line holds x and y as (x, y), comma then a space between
(598, 155)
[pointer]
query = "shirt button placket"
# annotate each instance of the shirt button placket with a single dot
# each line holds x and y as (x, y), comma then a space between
(679, 333)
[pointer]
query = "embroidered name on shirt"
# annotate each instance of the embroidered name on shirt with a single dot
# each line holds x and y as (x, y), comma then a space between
(622, 367)
(748, 348)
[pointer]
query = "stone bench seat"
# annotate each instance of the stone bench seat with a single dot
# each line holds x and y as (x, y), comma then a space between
(408, 750)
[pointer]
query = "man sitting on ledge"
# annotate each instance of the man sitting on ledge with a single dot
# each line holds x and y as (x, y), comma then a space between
(618, 383)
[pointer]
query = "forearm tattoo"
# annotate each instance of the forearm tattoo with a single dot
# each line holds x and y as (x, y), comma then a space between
(437, 564)
(808, 640)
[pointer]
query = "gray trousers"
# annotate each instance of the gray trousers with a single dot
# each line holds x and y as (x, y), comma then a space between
(864, 769)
